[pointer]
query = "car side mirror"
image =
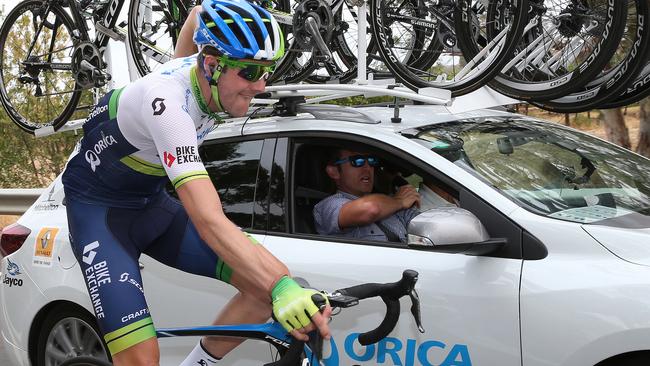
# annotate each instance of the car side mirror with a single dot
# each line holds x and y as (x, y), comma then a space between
(451, 230)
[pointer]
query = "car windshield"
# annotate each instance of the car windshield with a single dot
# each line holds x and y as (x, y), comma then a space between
(548, 169)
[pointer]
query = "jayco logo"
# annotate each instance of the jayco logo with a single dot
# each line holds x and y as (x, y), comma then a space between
(12, 281)
(89, 253)
(92, 155)
(13, 268)
(158, 106)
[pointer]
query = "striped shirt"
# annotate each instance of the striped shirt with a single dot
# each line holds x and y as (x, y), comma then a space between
(326, 219)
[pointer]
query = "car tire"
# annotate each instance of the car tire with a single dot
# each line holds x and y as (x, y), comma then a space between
(68, 332)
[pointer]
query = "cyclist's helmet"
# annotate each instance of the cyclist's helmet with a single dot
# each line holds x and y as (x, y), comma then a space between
(238, 29)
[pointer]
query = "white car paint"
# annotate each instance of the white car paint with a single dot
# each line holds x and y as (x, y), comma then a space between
(584, 302)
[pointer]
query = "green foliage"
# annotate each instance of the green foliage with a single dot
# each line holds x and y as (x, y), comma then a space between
(28, 162)
(54, 86)
(359, 100)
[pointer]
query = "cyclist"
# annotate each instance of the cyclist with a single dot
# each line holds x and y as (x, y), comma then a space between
(146, 134)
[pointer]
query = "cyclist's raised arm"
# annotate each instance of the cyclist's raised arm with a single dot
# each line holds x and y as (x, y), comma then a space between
(185, 46)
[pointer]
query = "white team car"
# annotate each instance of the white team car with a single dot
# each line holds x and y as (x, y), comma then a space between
(546, 261)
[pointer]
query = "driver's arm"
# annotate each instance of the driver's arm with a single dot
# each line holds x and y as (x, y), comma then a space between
(375, 207)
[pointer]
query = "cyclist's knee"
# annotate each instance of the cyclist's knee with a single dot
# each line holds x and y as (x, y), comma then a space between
(145, 353)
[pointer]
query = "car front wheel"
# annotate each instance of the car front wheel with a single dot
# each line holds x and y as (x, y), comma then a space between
(67, 333)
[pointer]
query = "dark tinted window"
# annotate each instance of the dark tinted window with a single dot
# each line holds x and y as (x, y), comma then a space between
(233, 169)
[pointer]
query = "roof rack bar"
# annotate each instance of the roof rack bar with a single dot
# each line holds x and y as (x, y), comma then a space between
(49, 130)
(426, 95)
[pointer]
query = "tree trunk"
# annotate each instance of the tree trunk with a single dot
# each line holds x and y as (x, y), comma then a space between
(615, 128)
(31, 157)
(644, 128)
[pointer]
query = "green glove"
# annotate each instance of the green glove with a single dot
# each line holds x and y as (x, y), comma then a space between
(292, 304)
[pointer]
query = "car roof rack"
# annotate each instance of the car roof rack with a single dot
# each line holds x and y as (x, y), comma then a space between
(324, 92)
(289, 100)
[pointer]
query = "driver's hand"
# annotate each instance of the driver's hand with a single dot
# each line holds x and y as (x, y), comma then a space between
(294, 308)
(408, 196)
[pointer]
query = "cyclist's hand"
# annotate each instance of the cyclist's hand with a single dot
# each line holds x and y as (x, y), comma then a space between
(294, 308)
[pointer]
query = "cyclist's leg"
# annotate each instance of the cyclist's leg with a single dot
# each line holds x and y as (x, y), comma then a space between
(109, 266)
(182, 248)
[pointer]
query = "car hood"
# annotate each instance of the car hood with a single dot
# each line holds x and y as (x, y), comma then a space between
(632, 245)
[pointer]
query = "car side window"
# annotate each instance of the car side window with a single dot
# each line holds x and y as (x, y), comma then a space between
(233, 169)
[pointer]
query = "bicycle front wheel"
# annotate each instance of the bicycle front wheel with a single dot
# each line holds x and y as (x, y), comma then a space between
(37, 86)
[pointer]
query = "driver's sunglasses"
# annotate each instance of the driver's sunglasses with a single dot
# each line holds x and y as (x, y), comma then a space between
(358, 161)
(251, 72)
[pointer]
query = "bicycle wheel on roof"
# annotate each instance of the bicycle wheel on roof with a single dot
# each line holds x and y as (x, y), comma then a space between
(37, 84)
(457, 51)
(566, 44)
(624, 65)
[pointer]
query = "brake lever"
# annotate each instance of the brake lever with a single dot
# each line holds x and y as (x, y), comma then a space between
(415, 309)
(316, 345)
(315, 340)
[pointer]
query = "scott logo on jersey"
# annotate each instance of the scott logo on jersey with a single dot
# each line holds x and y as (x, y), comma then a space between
(158, 106)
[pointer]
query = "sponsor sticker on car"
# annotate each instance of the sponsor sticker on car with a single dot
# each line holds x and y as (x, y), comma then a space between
(44, 246)
(11, 277)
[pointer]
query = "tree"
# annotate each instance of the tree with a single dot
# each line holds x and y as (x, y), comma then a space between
(27, 161)
(615, 128)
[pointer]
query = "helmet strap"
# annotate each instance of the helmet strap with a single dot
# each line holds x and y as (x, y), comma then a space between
(212, 77)
(213, 82)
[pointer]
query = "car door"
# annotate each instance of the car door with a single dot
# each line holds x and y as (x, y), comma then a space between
(239, 170)
(470, 307)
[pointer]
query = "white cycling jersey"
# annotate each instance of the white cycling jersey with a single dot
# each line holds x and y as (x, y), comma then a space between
(137, 137)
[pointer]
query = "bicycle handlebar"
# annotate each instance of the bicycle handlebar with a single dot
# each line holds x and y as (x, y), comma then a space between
(390, 293)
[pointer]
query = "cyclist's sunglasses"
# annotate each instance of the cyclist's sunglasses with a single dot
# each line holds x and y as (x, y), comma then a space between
(251, 71)
(358, 161)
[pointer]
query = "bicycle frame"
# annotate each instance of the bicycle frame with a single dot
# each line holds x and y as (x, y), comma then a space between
(179, 12)
(108, 20)
(272, 333)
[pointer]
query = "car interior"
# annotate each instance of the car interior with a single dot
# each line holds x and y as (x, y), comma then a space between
(311, 183)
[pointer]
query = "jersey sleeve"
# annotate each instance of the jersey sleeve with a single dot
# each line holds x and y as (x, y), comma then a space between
(173, 133)
(326, 215)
